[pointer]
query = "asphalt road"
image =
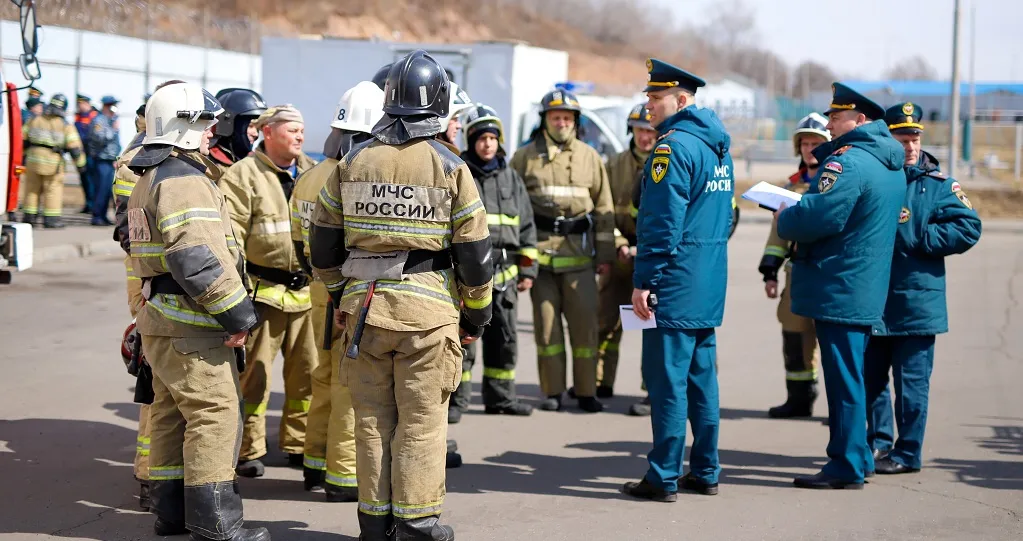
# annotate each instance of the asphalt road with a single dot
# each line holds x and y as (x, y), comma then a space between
(67, 431)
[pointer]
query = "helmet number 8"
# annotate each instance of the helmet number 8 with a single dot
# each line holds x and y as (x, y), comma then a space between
(340, 114)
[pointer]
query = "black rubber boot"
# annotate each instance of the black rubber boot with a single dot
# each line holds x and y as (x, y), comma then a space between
(30, 219)
(604, 391)
(553, 403)
(514, 408)
(801, 396)
(296, 460)
(53, 222)
(168, 504)
(641, 408)
(250, 468)
(336, 494)
(144, 501)
(454, 415)
(376, 527)
(213, 512)
(590, 404)
(422, 529)
(312, 478)
(452, 460)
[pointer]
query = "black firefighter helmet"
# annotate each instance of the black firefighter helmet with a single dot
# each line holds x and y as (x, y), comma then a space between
(237, 102)
(417, 85)
(381, 76)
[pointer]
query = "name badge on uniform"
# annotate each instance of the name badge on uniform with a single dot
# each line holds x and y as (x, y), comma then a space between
(138, 226)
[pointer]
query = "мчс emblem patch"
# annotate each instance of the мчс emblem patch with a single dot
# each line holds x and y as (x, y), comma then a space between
(904, 215)
(959, 193)
(658, 168)
(826, 182)
(834, 166)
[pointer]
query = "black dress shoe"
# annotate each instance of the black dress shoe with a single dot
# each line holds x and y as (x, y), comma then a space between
(688, 482)
(887, 466)
(641, 408)
(646, 491)
(821, 481)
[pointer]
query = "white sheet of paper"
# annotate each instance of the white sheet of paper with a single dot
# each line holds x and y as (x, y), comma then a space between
(771, 196)
(631, 322)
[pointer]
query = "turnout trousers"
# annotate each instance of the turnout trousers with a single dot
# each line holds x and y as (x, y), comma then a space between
(195, 426)
(574, 295)
(290, 333)
(680, 372)
(911, 361)
(615, 289)
(400, 383)
(143, 441)
(45, 191)
(799, 339)
(500, 349)
(331, 422)
(842, 351)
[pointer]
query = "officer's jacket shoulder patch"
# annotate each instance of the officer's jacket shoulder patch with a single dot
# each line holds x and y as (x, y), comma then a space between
(841, 150)
(449, 159)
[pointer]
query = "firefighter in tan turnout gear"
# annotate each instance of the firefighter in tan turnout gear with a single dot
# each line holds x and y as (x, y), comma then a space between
(402, 244)
(47, 137)
(623, 171)
(799, 339)
(124, 183)
(330, 434)
(574, 214)
(196, 310)
(257, 189)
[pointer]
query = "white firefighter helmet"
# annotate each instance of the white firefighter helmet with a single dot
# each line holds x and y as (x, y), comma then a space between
(459, 101)
(178, 114)
(481, 116)
(360, 108)
(814, 123)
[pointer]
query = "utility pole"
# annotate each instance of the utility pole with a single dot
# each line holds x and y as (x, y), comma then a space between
(953, 121)
(973, 86)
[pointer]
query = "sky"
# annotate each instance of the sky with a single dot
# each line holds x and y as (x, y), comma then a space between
(880, 33)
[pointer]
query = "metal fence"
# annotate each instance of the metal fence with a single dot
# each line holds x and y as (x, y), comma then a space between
(125, 59)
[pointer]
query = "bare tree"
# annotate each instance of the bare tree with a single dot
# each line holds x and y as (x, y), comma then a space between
(811, 77)
(915, 68)
(731, 29)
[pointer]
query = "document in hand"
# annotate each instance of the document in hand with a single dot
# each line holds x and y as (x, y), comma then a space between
(771, 197)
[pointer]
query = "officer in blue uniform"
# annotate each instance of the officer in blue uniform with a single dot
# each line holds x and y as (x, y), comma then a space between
(844, 230)
(937, 220)
(685, 216)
